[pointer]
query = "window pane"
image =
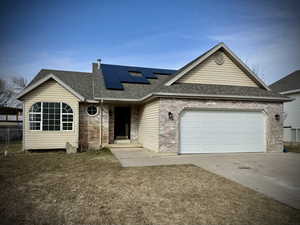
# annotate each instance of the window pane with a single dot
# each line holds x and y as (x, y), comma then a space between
(67, 118)
(66, 108)
(34, 117)
(34, 125)
(51, 116)
(92, 110)
(67, 126)
(36, 107)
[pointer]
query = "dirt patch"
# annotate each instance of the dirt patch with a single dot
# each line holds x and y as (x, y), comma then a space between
(92, 188)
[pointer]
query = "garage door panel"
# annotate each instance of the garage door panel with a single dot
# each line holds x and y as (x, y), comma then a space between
(222, 131)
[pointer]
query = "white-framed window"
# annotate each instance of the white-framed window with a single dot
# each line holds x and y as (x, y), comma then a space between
(35, 115)
(67, 117)
(50, 116)
(92, 110)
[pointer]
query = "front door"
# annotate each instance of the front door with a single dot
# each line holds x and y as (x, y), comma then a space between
(122, 123)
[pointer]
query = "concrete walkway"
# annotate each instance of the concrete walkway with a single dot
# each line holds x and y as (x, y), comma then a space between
(276, 175)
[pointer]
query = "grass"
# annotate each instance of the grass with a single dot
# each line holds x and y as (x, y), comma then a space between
(13, 147)
(92, 188)
(293, 147)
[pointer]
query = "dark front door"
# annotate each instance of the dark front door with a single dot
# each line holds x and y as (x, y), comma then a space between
(122, 123)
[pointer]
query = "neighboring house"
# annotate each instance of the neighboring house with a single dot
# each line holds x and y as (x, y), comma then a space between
(290, 86)
(10, 116)
(215, 103)
(10, 124)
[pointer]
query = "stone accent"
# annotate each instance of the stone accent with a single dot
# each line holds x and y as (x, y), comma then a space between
(70, 148)
(134, 124)
(111, 124)
(90, 127)
(169, 129)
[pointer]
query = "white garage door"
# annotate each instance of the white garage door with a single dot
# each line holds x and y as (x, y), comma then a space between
(222, 131)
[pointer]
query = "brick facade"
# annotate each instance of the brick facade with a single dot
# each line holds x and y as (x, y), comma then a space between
(90, 129)
(169, 129)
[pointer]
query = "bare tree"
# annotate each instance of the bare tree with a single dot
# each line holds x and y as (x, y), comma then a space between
(2, 85)
(9, 88)
(20, 81)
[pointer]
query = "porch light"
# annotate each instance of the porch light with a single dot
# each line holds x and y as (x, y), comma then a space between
(170, 116)
(277, 117)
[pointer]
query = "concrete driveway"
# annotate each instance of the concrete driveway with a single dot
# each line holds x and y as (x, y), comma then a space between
(276, 175)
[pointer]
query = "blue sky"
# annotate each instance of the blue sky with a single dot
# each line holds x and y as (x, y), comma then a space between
(69, 35)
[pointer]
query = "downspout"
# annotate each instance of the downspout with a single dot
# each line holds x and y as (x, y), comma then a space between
(101, 121)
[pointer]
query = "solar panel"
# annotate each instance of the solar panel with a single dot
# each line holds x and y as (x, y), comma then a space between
(115, 75)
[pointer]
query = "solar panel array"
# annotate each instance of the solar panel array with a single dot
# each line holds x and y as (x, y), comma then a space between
(115, 75)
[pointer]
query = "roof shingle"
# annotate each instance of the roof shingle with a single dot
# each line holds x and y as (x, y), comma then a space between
(287, 83)
(93, 85)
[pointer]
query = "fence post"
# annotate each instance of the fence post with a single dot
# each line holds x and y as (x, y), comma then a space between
(8, 137)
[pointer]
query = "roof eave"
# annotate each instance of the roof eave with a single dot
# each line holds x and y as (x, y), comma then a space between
(290, 92)
(43, 80)
(197, 96)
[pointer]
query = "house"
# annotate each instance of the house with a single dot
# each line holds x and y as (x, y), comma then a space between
(290, 86)
(10, 116)
(215, 103)
(10, 123)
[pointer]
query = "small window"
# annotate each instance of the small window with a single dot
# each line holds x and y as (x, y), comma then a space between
(135, 73)
(92, 110)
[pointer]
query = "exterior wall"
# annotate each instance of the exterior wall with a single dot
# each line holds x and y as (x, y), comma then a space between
(209, 72)
(90, 127)
(292, 120)
(134, 123)
(292, 110)
(111, 124)
(169, 129)
(50, 91)
(148, 128)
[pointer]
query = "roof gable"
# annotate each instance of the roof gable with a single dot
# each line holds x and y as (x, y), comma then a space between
(33, 86)
(251, 79)
(224, 73)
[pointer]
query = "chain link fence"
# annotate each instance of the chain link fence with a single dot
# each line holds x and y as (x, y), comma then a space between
(11, 138)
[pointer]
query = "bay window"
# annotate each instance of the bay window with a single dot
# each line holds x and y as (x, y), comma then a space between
(51, 116)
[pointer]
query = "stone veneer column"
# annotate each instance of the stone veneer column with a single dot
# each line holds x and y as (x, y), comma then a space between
(90, 127)
(169, 129)
(111, 124)
(134, 124)
(105, 128)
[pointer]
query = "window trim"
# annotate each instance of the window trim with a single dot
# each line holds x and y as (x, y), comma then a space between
(96, 109)
(41, 122)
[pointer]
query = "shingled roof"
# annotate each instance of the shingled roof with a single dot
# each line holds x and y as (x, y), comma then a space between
(92, 86)
(288, 83)
(131, 83)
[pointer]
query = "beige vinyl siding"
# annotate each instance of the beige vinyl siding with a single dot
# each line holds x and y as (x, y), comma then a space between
(208, 72)
(50, 91)
(148, 128)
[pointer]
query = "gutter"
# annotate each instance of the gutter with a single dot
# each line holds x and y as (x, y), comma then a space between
(101, 121)
(198, 96)
(290, 92)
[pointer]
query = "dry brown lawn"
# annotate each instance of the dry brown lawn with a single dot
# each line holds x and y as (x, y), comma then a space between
(293, 147)
(92, 188)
